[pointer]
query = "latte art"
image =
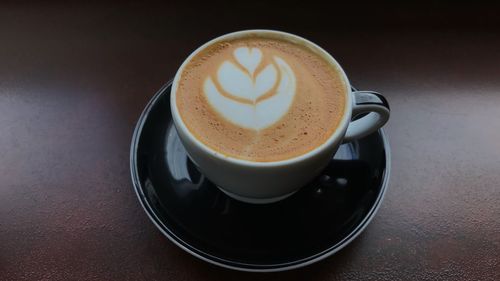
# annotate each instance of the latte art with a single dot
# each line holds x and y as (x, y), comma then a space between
(259, 98)
(249, 99)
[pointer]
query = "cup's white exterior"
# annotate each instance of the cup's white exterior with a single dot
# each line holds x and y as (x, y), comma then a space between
(261, 182)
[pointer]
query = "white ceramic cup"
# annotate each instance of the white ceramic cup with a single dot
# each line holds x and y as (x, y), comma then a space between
(266, 182)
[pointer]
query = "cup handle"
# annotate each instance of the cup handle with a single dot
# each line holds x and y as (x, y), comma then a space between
(377, 109)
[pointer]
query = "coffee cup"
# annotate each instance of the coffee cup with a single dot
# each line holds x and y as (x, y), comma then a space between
(262, 112)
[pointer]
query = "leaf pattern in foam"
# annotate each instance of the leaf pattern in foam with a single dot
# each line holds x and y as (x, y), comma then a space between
(234, 81)
(270, 110)
(265, 81)
(237, 83)
(238, 113)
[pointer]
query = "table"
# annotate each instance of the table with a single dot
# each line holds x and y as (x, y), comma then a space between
(74, 78)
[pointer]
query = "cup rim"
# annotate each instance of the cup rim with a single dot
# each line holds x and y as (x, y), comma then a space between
(332, 139)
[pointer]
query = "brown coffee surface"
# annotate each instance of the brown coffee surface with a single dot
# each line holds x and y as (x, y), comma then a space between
(313, 116)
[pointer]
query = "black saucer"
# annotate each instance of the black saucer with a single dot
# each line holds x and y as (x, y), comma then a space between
(312, 224)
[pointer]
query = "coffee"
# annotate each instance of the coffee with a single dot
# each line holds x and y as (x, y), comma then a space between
(260, 98)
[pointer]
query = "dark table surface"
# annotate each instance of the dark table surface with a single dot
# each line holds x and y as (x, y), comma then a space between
(74, 78)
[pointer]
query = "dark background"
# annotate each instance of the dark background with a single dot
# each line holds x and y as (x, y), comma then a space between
(75, 76)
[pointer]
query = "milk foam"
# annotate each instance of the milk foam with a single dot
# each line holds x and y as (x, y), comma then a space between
(249, 99)
(260, 99)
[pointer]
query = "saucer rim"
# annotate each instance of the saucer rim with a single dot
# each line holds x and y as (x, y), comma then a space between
(251, 267)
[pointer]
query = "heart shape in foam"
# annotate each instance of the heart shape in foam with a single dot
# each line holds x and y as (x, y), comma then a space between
(248, 58)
